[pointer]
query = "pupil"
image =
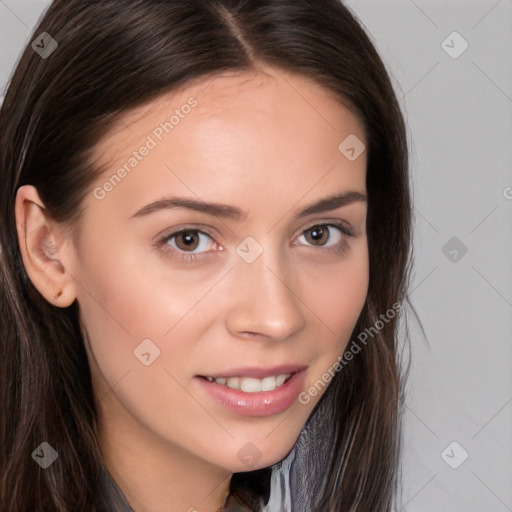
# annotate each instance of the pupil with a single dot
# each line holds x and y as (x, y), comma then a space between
(188, 240)
(317, 234)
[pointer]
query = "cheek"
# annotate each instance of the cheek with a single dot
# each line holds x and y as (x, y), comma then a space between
(337, 297)
(129, 301)
(126, 293)
(128, 313)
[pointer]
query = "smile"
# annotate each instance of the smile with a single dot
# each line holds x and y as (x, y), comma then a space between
(254, 391)
(250, 384)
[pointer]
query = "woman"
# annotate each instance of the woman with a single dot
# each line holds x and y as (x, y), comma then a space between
(205, 230)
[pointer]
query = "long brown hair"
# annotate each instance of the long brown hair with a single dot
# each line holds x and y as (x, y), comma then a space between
(113, 56)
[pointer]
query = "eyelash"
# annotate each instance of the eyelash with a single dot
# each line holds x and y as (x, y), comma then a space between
(188, 257)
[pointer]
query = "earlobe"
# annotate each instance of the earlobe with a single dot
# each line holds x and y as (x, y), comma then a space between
(42, 242)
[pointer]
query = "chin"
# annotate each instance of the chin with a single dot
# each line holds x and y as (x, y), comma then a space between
(253, 456)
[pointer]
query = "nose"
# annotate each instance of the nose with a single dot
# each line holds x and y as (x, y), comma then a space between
(265, 301)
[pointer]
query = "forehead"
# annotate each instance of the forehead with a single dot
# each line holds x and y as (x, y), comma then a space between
(246, 131)
(271, 92)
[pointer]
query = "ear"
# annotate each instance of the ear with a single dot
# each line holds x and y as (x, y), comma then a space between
(43, 243)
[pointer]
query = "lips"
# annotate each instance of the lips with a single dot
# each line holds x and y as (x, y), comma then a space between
(255, 391)
(257, 372)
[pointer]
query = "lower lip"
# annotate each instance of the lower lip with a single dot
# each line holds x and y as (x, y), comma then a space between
(262, 403)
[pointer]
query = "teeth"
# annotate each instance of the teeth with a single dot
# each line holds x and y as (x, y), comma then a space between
(280, 380)
(268, 384)
(252, 385)
(233, 382)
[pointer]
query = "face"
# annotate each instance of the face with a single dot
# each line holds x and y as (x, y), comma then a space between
(204, 267)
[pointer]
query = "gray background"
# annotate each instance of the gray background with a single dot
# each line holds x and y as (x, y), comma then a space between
(459, 113)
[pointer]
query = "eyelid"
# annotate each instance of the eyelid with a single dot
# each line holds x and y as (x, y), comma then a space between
(341, 224)
(163, 239)
(201, 228)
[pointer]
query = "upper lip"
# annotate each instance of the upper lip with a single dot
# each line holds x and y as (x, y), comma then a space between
(257, 372)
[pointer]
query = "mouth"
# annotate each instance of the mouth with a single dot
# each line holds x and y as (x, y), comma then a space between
(254, 391)
(251, 384)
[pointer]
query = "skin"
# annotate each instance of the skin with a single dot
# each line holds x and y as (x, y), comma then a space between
(266, 142)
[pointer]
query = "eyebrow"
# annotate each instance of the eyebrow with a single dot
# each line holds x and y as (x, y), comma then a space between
(238, 215)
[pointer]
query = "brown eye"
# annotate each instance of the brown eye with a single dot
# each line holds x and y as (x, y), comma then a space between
(325, 235)
(187, 240)
(318, 235)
